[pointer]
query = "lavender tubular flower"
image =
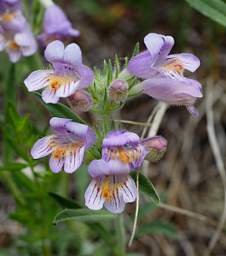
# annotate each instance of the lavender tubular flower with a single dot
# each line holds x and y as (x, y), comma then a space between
(56, 25)
(18, 44)
(67, 145)
(183, 92)
(67, 76)
(108, 188)
(125, 148)
(156, 60)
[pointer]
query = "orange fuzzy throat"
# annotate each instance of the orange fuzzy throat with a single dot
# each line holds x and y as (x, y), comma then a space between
(56, 81)
(125, 155)
(7, 17)
(13, 45)
(109, 189)
(174, 65)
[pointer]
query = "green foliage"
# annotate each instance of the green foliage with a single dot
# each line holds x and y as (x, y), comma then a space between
(83, 215)
(147, 187)
(159, 228)
(213, 9)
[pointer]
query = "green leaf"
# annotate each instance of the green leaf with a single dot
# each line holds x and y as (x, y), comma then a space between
(159, 228)
(82, 215)
(13, 167)
(64, 202)
(60, 110)
(214, 9)
(147, 187)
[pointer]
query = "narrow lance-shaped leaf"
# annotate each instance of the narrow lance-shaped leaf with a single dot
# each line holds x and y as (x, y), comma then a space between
(60, 110)
(147, 187)
(82, 215)
(214, 9)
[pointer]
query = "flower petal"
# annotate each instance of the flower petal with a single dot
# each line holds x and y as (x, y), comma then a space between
(129, 190)
(98, 168)
(73, 159)
(55, 164)
(54, 51)
(67, 89)
(27, 43)
(49, 95)
(57, 122)
(173, 91)
(189, 61)
(120, 138)
(42, 147)
(158, 45)
(141, 65)
(37, 80)
(116, 203)
(73, 54)
(93, 197)
(86, 76)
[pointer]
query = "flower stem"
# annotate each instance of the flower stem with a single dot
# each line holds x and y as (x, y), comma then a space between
(120, 227)
(136, 212)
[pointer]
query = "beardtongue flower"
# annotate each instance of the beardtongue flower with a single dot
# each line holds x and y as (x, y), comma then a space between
(156, 147)
(183, 92)
(13, 21)
(109, 188)
(67, 76)
(125, 148)
(67, 145)
(56, 25)
(18, 44)
(156, 60)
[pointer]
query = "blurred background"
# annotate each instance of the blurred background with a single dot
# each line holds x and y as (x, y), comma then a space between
(186, 178)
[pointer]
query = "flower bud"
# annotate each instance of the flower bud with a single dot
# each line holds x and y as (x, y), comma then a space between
(81, 101)
(156, 148)
(118, 90)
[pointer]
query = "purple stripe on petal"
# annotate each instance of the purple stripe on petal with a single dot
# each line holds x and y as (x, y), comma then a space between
(55, 164)
(41, 147)
(116, 203)
(49, 95)
(93, 197)
(67, 89)
(73, 159)
(37, 80)
(129, 190)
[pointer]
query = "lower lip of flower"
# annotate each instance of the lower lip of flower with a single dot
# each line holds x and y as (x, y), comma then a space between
(56, 81)
(8, 17)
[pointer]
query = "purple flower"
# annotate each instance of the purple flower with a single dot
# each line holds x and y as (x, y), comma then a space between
(125, 148)
(174, 91)
(67, 76)
(56, 25)
(156, 60)
(109, 188)
(13, 21)
(9, 5)
(67, 145)
(18, 44)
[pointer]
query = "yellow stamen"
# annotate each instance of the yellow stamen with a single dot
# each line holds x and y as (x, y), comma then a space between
(13, 45)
